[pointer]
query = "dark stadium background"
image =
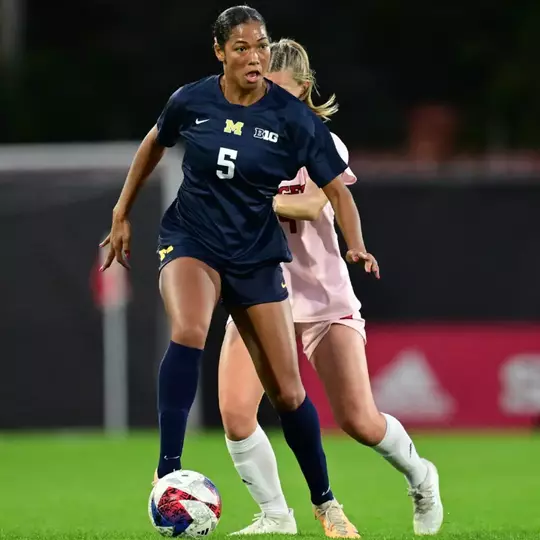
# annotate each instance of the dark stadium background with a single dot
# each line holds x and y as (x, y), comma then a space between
(440, 109)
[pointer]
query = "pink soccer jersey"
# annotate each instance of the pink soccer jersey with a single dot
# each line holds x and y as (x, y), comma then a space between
(318, 279)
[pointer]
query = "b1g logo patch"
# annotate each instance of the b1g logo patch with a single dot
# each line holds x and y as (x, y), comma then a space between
(266, 135)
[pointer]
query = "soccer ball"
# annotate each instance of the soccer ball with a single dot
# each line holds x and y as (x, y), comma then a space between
(184, 503)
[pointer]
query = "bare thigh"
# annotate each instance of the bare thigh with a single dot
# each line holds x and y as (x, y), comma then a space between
(268, 332)
(190, 290)
(240, 390)
(340, 361)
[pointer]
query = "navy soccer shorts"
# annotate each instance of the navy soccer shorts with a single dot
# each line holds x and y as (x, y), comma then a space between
(262, 285)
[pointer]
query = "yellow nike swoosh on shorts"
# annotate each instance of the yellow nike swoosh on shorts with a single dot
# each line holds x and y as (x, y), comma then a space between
(283, 285)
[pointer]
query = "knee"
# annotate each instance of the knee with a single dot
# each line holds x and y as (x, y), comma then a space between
(288, 398)
(366, 428)
(190, 334)
(239, 420)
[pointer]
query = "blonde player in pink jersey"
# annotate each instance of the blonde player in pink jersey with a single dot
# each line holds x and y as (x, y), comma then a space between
(327, 318)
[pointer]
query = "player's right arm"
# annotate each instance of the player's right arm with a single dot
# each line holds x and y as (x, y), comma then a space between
(164, 134)
(146, 158)
(308, 205)
(305, 206)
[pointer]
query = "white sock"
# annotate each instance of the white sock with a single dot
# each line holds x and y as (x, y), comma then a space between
(398, 449)
(256, 464)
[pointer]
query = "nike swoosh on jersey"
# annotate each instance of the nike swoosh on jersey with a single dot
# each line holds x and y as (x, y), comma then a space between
(197, 121)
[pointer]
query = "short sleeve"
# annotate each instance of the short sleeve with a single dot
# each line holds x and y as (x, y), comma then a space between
(320, 155)
(347, 176)
(171, 119)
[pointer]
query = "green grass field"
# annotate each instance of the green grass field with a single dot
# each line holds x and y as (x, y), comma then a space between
(68, 487)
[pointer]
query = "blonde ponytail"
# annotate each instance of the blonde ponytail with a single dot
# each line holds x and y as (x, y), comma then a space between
(289, 54)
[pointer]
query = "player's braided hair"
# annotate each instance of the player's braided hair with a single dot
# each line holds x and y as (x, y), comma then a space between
(232, 17)
(289, 54)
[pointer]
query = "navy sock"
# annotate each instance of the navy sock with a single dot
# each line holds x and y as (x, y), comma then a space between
(303, 435)
(177, 386)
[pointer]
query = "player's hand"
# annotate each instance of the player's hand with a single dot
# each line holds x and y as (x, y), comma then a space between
(118, 241)
(371, 265)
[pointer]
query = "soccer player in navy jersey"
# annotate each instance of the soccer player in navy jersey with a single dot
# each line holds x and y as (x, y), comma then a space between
(220, 238)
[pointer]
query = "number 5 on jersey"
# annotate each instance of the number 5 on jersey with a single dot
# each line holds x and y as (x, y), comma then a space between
(226, 159)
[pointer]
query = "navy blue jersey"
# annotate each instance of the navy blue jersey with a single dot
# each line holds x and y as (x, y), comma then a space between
(235, 158)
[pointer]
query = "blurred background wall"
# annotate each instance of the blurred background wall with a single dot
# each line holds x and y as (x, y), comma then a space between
(440, 109)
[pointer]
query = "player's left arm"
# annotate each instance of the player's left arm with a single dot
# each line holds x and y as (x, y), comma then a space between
(305, 206)
(347, 214)
(309, 205)
(349, 223)
(328, 169)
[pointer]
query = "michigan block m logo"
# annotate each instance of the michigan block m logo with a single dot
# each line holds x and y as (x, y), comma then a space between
(164, 252)
(233, 127)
